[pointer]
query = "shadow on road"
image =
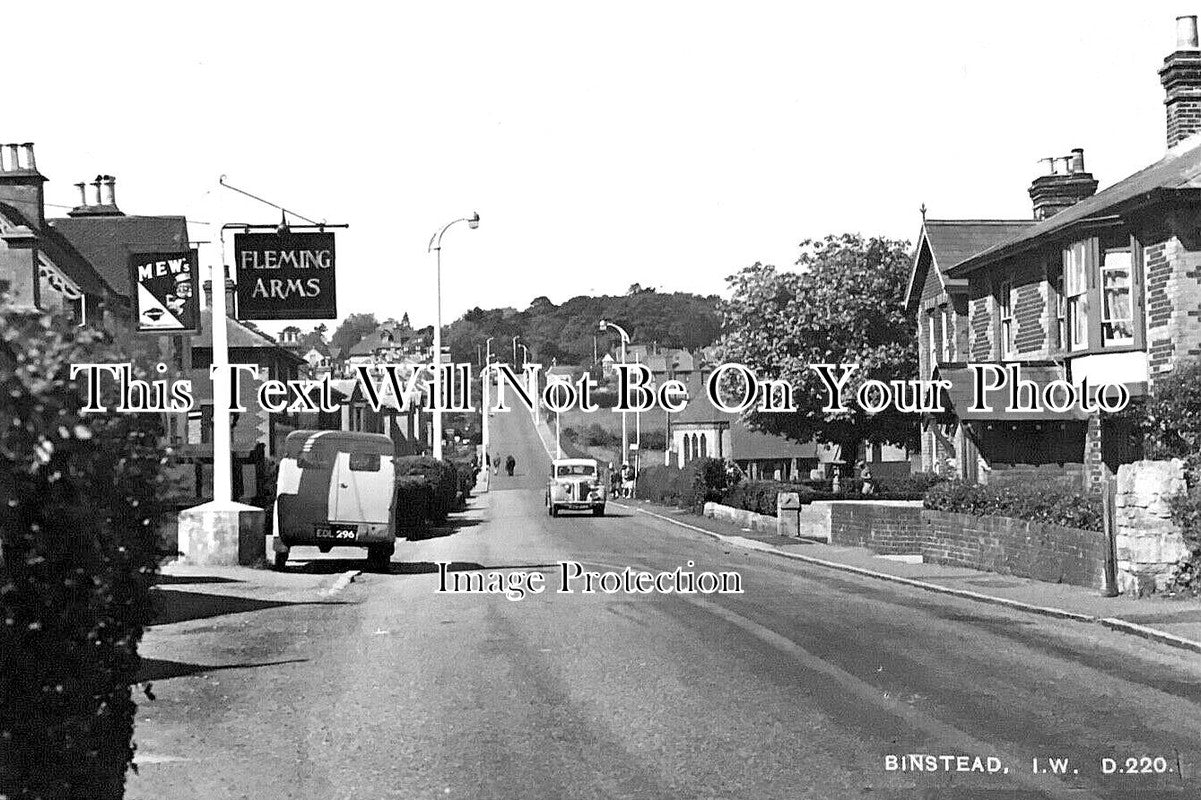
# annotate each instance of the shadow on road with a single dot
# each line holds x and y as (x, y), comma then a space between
(331, 566)
(178, 605)
(170, 580)
(157, 669)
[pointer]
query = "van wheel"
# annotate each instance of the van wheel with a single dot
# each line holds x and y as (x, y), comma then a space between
(379, 555)
(598, 511)
(281, 561)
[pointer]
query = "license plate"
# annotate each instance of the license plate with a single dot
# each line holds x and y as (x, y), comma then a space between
(336, 532)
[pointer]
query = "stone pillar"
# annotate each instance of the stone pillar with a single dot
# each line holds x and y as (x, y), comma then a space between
(1148, 542)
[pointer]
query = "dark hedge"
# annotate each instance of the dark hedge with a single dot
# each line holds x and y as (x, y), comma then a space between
(79, 511)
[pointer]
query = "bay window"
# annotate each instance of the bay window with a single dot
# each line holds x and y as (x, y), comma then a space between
(1075, 280)
(1117, 316)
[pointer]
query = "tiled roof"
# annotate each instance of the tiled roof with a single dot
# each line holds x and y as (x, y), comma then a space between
(107, 242)
(954, 241)
(1180, 169)
(239, 336)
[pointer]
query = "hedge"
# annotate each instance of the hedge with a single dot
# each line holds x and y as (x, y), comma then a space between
(80, 501)
(701, 481)
(413, 498)
(1035, 503)
(760, 496)
(442, 478)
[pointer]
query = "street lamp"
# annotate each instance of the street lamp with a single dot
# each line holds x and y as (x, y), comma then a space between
(485, 378)
(515, 338)
(435, 246)
(605, 325)
(525, 353)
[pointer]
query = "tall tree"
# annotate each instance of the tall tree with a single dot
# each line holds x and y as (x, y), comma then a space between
(843, 305)
(352, 330)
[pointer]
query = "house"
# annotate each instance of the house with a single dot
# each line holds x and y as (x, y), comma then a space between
(39, 267)
(1102, 286)
(107, 237)
(702, 430)
(390, 343)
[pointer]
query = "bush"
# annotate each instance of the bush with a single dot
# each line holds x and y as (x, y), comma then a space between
(761, 496)
(413, 499)
(662, 484)
(467, 472)
(910, 487)
(1032, 503)
(442, 478)
(709, 481)
(654, 440)
(1186, 512)
(80, 501)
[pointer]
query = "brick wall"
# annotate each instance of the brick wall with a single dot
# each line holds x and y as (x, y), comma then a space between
(980, 323)
(1173, 289)
(1030, 311)
(1004, 545)
(888, 529)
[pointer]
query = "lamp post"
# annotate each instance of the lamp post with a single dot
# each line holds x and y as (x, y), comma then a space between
(435, 246)
(625, 339)
(515, 338)
(486, 391)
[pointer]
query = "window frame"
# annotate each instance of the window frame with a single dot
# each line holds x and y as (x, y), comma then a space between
(1006, 329)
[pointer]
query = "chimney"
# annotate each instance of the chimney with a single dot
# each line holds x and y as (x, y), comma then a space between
(230, 286)
(1181, 79)
(108, 188)
(21, 185)
(103, 199)
(1062, 188)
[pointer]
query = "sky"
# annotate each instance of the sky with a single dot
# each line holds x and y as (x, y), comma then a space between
(602, 144)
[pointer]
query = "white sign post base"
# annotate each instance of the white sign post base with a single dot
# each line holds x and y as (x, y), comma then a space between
(222, 533)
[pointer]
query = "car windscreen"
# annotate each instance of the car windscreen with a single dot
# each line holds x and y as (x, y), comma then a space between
(574, 470)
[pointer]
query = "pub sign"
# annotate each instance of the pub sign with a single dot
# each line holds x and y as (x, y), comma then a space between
(165, 299)
(285, 275)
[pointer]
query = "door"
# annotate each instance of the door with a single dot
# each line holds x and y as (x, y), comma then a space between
(361, 488)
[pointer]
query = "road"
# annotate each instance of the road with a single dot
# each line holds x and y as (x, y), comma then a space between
(800, 687)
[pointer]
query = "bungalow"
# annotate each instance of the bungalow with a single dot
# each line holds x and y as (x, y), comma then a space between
(1098, 286)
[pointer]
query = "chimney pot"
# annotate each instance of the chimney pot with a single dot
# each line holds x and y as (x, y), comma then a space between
(1186, 33)
(96, 185)
(13, 162)
(108, 184)
(30, 163)
(83, 193)
(1077, 161)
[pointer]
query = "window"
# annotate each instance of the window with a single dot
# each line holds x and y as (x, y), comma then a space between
(932, 339)
(1061, 314)
(568, 470)
(364, 462)
(1117, 319)
(356, 418)
(948, 335)
(1005, 302)
(1075, 282)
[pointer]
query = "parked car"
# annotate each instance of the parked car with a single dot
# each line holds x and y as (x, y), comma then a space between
(335, 489)
(576, 484)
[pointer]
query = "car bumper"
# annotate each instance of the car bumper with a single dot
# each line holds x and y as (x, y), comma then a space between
(365, 533)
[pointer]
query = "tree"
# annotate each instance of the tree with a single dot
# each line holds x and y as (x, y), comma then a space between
(844, 304)
(352, 330)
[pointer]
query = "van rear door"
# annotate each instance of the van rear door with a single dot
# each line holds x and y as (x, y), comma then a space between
(361, 488)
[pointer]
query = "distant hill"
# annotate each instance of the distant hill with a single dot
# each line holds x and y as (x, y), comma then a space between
(564, 332)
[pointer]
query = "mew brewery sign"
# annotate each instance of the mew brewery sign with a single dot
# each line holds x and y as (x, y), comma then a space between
(165, 298)
(285, 275)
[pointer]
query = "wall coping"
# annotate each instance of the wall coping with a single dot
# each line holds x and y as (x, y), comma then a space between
(882, 503)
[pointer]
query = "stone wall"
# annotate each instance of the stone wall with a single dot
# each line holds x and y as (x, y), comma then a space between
(1148, 542)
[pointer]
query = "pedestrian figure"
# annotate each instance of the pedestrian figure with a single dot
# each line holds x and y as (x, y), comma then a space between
(510, 465)
(495, 465)
(614, 481)
(836, 483)
(865, 476)
(627, 481)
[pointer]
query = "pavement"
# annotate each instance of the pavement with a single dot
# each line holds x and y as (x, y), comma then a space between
(1174, 621)
(331, 680)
